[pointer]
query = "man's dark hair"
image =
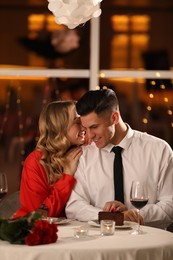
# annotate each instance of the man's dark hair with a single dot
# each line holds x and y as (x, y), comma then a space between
(98, 101)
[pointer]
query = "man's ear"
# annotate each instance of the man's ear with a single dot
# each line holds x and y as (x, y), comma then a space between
(115, 117)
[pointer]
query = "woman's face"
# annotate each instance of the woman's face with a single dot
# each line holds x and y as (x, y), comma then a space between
(75, 132)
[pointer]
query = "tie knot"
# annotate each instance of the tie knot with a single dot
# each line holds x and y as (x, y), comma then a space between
(117, 149)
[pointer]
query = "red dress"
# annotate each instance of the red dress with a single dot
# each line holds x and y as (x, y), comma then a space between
(34, 188)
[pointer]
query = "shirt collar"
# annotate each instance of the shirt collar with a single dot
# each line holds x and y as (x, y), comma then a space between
(125, 142)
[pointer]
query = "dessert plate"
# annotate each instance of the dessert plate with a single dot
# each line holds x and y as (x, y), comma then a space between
(127, 224)
(58, 221)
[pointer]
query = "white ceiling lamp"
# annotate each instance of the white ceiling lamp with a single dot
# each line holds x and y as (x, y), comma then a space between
(73, 13)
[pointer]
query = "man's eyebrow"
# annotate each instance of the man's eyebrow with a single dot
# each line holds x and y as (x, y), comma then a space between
(94, 125)
(91, 126)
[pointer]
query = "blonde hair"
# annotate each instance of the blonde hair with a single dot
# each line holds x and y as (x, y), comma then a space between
(53, 143)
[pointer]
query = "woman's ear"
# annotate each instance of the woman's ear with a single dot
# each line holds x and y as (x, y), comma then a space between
(115, 117)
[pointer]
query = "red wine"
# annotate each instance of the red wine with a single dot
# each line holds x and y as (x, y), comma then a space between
(139, 203)
(2, 194)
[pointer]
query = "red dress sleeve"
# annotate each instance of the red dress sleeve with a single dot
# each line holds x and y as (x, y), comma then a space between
(34, 188)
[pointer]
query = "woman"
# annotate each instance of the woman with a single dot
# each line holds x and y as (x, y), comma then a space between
(47, 176)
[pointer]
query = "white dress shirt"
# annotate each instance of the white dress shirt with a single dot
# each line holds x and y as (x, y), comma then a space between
(145, 158)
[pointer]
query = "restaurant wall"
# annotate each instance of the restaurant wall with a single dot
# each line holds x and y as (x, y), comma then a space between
(162, 32)
(13, 25)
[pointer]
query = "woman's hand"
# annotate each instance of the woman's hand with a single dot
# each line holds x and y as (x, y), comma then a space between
(110, 205)
(72, 157)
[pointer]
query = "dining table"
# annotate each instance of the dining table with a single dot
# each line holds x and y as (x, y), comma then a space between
(153, 244)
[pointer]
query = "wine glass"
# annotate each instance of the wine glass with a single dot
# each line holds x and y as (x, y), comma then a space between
(3, 185)
(138, 198)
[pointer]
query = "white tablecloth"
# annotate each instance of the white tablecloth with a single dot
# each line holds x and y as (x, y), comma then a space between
(155, 244)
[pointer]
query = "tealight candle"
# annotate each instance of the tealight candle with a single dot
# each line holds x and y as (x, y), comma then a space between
(80, 232)
(107, 227)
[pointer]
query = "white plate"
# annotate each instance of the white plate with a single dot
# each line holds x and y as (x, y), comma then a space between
(59, 221)
(127, 224)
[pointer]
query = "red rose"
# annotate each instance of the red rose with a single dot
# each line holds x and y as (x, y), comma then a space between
(42, 233)
(32, 239)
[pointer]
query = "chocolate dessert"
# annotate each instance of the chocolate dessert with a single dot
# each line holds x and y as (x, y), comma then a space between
(118, 217)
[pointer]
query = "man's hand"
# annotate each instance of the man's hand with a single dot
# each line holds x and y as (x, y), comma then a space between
(129, 215)
(111, 205)
(132, 215)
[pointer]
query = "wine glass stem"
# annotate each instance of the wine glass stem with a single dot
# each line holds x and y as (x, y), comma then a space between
(138, 229)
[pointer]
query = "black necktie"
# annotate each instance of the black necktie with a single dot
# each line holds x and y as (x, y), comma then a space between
(118, 174)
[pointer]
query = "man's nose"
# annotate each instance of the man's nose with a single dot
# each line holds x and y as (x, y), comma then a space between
(83, 128)
(90, 133)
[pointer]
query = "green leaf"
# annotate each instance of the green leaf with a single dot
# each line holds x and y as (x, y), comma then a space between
(16, 230)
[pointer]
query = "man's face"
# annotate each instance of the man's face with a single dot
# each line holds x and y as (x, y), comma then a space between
(100, 130)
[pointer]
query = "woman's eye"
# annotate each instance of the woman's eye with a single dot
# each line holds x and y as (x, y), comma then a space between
(77, 121)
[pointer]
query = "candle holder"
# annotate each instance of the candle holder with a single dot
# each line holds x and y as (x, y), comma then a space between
(107, 227)
(81, 232)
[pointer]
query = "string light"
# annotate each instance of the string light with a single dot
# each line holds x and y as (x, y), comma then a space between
(153, 83)
(149, 108)
(20, 123)
(5, 117)
(19, 115)
(162, 86)
(145, 119)
(169, 110)
(101, 87)
(151, 95)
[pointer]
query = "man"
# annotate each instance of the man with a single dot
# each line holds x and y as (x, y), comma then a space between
(144, 157)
